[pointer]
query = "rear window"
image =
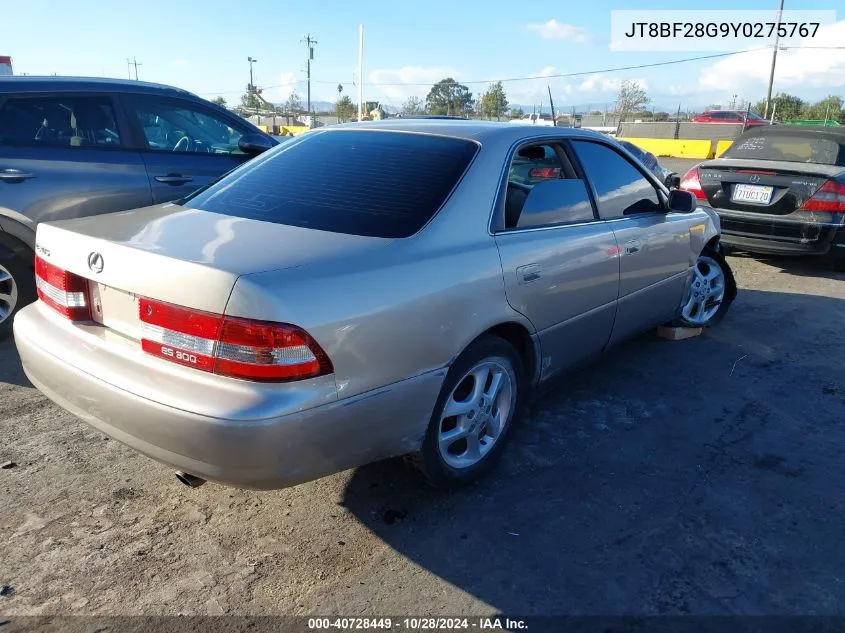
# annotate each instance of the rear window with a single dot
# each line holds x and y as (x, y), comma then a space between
(360, 182)
(59, 121)
(792, 148)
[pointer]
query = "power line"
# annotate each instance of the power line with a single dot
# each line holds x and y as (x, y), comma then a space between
(557, 75)
(584, 72)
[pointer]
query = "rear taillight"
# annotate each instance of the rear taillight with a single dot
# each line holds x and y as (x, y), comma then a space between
(830, 197)
(65, 292)
(692, 182)
(240, 348)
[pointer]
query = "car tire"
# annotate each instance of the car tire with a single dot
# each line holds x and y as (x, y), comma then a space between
(486, 414)
(711, 261)
(17, 288)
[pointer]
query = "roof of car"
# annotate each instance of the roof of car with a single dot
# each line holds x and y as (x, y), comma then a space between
(836, 134)
(467, 129)
(31, 83)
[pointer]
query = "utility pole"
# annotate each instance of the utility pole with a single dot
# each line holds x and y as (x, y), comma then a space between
(774, 61)
(360, 71)
(250, 89)
(251, 61)
(134, 62)
(309, 44)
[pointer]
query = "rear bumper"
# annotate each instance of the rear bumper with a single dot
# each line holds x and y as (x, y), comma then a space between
(273, 452)
(777, 236)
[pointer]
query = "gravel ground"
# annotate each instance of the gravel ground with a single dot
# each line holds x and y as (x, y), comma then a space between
(702, 476)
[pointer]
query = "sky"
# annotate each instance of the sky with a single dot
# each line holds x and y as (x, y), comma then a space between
(202, 46)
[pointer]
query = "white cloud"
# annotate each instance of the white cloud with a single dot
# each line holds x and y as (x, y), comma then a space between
(394, 85)
(799, 69)
(286, 84)
(536, 90)
(554, 30)
(600, 84)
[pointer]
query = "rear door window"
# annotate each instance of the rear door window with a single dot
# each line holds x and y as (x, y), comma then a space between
(360, 182)
(59, 121)
(789, 147)
(621, 189)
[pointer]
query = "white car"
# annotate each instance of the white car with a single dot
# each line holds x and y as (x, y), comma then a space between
(535, 119)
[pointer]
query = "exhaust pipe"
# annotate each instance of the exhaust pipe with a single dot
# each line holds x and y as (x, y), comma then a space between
(189, 480)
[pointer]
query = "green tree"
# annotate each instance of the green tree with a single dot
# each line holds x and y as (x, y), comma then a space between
(661, 116)
(494, 102)
(413, 106)
(345, 108)
(294, 103)
(631, 98)
(830, 106)
(516, 113)
(785, 106)
(447, 96)
(219, 101)
(251, 101)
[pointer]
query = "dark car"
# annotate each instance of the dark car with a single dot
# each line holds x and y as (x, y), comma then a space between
(72, 147)
(779, 190)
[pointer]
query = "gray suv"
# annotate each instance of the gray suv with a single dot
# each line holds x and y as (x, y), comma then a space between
(72, 147)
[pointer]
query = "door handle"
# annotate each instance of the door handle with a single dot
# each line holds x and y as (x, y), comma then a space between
(173, 179)
(528, 273)
(633, 247)
(14, 175)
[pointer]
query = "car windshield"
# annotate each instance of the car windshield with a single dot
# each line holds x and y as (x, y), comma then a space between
(755, 116)
(360, 182)
(789, 147)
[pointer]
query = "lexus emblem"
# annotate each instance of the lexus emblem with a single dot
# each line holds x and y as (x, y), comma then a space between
(755, 178)
(95, 262)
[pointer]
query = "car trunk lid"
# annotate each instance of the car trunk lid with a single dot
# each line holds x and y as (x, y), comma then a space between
(186, 257)
(764, 187)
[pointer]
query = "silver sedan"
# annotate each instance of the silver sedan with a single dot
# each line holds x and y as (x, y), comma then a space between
(361, 292)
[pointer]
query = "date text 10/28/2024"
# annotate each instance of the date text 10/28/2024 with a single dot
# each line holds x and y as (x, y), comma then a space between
(415, 624)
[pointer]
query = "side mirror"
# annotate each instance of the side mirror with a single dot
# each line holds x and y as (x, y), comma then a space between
(673, 181)
(681, 201)
(254, 144)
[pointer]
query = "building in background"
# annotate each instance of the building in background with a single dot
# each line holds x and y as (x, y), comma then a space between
(5, 66)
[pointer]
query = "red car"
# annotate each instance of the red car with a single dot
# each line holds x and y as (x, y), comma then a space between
(730, 116)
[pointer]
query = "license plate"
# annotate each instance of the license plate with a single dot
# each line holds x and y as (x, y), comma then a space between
(115, 309)
(755, 194)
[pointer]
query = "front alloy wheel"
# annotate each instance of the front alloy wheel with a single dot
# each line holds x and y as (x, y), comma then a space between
(706, 292)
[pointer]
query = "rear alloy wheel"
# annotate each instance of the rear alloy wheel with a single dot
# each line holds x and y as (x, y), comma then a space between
(480, 399)
(705, 299)
(17, 289)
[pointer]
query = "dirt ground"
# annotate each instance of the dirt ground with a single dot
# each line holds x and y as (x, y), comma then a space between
(695, 477)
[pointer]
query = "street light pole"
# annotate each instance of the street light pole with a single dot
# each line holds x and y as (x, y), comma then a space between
(774, 61)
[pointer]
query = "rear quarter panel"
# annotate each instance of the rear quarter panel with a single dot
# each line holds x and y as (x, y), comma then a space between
(412, 311)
